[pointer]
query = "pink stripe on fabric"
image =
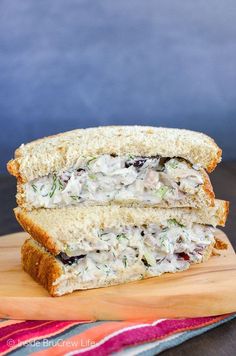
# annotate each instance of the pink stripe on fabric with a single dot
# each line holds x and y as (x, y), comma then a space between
(146, 334)
(7, 322)
(31, 330)
(8, 329)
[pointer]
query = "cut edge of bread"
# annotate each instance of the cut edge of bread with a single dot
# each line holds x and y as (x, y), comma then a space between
(46, 270)
(44, 226)
(51, 154)
(41, 265)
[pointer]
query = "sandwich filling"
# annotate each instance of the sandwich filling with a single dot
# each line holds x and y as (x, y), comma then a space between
(105, 178)
(134, 251)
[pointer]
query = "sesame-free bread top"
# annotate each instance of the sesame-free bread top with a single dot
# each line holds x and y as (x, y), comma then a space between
(62, 151)
(54, 228)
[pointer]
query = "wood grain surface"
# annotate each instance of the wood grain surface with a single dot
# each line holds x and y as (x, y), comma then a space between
(204, 289)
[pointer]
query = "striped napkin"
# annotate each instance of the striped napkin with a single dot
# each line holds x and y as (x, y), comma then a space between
(148, 337)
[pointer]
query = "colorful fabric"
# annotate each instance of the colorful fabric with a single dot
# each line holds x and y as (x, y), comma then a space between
(53, 338)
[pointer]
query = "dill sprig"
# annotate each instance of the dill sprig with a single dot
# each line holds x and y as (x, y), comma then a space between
(121, 236)
(175, 222)
(124, 260)
(34, 187)
(54, 185)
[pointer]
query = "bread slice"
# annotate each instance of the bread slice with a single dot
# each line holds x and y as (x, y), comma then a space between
(56, 229)
(59, 279)
(54, 153)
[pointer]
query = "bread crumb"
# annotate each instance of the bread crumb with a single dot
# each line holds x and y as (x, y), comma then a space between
(214, 253)
(220, 245)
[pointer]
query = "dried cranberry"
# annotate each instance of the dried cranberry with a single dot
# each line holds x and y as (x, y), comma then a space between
(128, 164)
(139, 163)
(80, 170)
(67, 260)
(136, 162)
(184, 256)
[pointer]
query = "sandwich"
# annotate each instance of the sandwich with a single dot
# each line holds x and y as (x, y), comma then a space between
(83, 247)
(110, 205)
(131, 166)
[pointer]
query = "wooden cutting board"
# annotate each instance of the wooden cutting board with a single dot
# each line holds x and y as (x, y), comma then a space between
(203, 290)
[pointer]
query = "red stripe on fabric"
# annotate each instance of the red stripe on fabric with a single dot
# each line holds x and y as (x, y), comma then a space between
(32, 331)
(6, 330)
(148, 334)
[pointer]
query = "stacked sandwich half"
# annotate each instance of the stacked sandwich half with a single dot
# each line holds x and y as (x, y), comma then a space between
(109, 205)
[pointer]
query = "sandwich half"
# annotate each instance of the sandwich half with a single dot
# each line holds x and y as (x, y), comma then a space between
(89, 247)
(123, 165)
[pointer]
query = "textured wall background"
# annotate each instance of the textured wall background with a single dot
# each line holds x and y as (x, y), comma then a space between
(73, 63)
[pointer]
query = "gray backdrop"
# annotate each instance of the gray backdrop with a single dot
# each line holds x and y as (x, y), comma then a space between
(73, 63)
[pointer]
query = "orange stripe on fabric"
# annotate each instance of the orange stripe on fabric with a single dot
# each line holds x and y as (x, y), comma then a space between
(84, 339)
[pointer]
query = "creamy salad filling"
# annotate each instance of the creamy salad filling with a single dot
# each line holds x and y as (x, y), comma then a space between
(110, 177)
(146, 250)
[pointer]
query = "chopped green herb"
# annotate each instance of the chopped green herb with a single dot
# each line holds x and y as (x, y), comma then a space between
(54, 186)
(175, 222)
(74, 197)
(92, 176)
(61, 186)
(161, 192)
(173, 164)
(91, 160)
(122, 236)
(34, 187)
(124, 260)
(131, 156)
(162, 238)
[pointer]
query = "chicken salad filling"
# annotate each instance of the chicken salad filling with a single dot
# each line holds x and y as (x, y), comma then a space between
(109, 177)
(147, 250)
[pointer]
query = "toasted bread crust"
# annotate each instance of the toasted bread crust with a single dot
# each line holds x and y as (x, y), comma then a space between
(224, 213)
(208, 189)
(13, 167)
(210, 168)
(62, 151)
(45, 269)
(42, 266)
(36, 231)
